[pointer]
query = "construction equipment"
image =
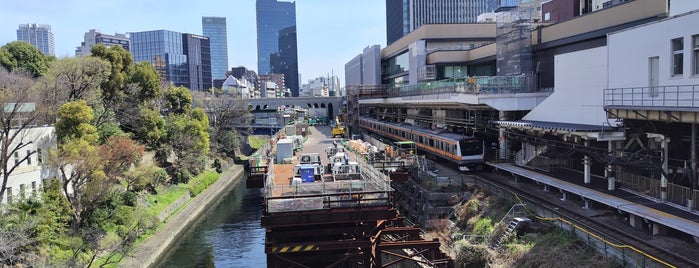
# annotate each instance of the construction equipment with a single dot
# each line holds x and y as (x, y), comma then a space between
(338, 129)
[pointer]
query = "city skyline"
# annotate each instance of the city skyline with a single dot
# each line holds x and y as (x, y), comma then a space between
(330, 33)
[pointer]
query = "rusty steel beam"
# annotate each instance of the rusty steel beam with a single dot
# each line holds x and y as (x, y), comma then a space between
(297, 234)
(404, 257)
(317, 246)
(408, 244)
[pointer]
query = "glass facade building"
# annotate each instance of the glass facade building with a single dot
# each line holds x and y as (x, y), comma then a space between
(276, 41)
(197, 48)
(501, 5)
(173, 55)
(215, 29)
(39, 35)
(404, 16)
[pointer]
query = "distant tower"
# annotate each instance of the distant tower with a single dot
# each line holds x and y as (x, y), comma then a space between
(94, 37)
(39, 35)
(404, 16)
(215, 29)
(276, 41)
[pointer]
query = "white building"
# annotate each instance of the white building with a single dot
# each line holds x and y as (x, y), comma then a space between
(630, 59)
(322, 87)
(670, 58)
(94, 37)
(39, 35)
(240, 88)
(30, 175)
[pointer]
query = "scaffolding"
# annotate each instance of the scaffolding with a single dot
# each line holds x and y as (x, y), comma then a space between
(513, 41)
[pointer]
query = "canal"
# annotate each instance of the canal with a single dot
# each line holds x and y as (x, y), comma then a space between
(230, 235)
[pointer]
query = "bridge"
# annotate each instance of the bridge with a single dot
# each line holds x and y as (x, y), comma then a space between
(334, 105)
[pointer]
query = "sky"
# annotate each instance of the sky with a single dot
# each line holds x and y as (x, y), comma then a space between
(329, 32)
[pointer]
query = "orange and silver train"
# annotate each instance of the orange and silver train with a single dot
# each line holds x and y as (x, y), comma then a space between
(467, 152)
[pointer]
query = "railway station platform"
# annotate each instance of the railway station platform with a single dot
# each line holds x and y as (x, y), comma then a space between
(640, 207)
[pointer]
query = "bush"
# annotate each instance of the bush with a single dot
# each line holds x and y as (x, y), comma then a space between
(130, 198)
(180, 175)
(217, 165)
(472, 256)
(201, 182)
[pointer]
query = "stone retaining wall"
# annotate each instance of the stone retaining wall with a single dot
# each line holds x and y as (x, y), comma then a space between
(151, 251)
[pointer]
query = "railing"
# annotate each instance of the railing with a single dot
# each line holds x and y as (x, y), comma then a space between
(373, 189)
(684, 96)
(676, 194)
(469, 85)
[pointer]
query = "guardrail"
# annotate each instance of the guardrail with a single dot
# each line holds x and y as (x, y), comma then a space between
(682, 96)
(470, 85)
(373, 189)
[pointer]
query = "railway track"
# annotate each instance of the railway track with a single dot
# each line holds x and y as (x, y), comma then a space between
(623, 239)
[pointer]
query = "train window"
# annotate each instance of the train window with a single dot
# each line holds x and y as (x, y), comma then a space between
(419, 138)
(431, 143)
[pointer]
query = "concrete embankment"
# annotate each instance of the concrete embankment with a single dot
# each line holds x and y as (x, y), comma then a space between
(151, 251)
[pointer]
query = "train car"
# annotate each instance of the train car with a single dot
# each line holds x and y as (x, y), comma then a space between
(467, 152)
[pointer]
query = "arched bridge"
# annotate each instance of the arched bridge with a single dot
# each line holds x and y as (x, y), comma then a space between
(334, 105)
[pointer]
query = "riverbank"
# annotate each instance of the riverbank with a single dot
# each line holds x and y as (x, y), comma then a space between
(151, 251)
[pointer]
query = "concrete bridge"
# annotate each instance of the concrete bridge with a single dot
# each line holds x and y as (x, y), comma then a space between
(334, 105)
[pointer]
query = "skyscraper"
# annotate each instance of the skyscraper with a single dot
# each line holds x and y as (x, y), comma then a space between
(39, 35)
(404, 16)
(94, 37)
(198, 51)
(182, 59)
(215, 29)
(276, 41)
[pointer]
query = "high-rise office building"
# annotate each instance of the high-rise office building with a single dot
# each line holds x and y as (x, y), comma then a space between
(198, 51)
(276, 41)
(182, 59)
(94, 37)
(215, 29)
(39, 35)
(404, 16)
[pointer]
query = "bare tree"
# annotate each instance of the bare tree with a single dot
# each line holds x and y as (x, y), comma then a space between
(225, 114)
(19, 112)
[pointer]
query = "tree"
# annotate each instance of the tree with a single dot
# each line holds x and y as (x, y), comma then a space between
(77, 158)
(178, 100)
(122, 63)
(71, 79)
(189, 139)
(119, 154)
(20, 110)
(226, 113)
(149, 127)
(148, 82)
(20, 55)
(80, 168)
(74, 123)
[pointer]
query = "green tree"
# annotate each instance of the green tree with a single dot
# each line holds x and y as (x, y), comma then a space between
(20, 55)
(150, 127)
(108, 130)
(122, 63)
(188, 137)
(147, 80)
(80, 168)
(74, 123)
(178, 100)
